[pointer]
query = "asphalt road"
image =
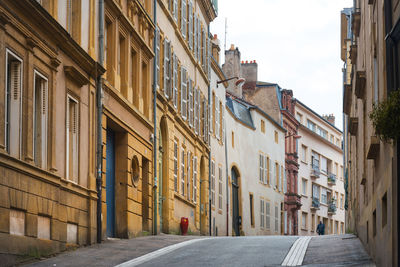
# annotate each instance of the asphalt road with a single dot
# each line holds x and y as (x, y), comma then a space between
(229, 251)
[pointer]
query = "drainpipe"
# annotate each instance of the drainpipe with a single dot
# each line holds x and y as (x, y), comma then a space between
(209, 154)
(227, 173)
(99, 98)
(155, 119)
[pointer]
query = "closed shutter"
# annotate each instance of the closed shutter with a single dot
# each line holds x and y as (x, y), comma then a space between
(195, 47)
(166, 69)
(189, 172)
(175, 166)
(266, 170)
(208, 57)
(194, 179)
(270, 177)
(183, 172)
(262, 213)
(195, 110)
(175, 9)
(267, 215)
(183, 18)
(261, 167)
(175, 81)
(191, 24)
(223, 123)
(158, 55)
(183, 93)
(204, 50)
(190, 83)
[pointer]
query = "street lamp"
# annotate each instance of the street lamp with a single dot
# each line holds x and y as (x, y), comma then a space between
(239, 82)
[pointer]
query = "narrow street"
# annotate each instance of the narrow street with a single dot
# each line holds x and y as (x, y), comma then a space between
(330, 250)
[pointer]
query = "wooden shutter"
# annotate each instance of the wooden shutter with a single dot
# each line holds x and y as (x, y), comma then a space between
(189, 172)
(183, 93)
(175, 10)
(190, 24)
(190, 83)
(261, 168)
(175, 166)
(223, 122)
(183, 18)
(196, 115)
(158, 55)
(196, 21)
(175, 81)
(194, 179)
(266, 169)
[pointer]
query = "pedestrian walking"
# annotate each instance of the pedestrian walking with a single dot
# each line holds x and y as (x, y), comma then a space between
(321, 228)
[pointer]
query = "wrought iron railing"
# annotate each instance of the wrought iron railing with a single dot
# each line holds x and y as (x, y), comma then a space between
(332, 206)
(315, 203)
(331, 178)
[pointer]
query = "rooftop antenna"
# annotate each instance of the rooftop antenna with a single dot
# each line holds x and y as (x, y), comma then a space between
(226, 28)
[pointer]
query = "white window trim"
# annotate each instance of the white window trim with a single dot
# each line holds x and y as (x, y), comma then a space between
(6, 135)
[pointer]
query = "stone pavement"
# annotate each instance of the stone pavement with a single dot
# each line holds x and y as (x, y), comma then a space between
(336, 250)
(112, 252)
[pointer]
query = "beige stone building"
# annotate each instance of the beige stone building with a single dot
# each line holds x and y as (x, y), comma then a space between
(320, 177)
(370, 47)
(183, 115)
(47, 126)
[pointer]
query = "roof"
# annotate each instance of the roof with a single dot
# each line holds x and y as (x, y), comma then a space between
(319, 116)
(240, 110)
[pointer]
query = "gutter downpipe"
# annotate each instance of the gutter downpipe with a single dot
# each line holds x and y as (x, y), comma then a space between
(99, 96)
(155, 119)
(209, 153)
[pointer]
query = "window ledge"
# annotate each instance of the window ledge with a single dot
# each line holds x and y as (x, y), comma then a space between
(183, 199)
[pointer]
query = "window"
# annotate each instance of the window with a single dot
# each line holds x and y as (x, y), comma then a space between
(72, 139)
(311, 125)
(277, 175)
(121, 67)
(262, 217)
(251, 210)
(17, 222)
(315, 192)
(233, 139)
(175, 10)
(108, 49)
(324, 166)
(13, 104)
(175, 166)
(262, 126)
(299, 117)
(276, 137)
(195, 110)
(304, 153)
(304, 186)
(183, 172)
(212, 184)
(304, 220)
(214, 112)
(313, 222)
(374, 222)
(183, 93)
(74, 19)
(322, 132)
(220, 118)
(189, 172)
(335, 170)
(276, 218)
(40, 120)
(332, 139)
(183, 18)
(324, 196)
(72, 233)
(269, 171)
(134, 81)
(220, 187)
(315, 160)
(384, 210)
(43, 227)
(341, 201)
(281, 178)
(167, 69)
(267, 215)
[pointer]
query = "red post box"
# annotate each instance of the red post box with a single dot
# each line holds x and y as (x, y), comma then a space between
(184, 225)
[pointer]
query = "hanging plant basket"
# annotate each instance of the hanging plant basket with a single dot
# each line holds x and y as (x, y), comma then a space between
(385, 117)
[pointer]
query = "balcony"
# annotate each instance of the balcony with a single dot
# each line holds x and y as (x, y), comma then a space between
(360, 84)
(315, 204)
(353, 125)
(331, 179)
(332, 207)
(315, 172)
(374, 148)
(293, 200)
(356, 23)
(347, 99)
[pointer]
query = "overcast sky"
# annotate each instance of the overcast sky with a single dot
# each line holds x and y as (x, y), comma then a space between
(296, 44)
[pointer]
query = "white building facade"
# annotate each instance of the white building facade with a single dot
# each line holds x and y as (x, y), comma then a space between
(320, 178)
(256, 160)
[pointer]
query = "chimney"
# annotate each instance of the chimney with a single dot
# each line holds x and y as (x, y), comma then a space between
(249, 71)
(330, 118)
(231, 68)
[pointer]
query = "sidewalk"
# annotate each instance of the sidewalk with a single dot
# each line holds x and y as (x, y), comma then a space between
(113, 251)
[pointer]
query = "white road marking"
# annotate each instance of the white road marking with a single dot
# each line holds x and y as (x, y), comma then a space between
(157, 253)
(296, 254)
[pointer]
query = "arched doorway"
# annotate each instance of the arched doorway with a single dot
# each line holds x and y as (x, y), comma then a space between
(236, 220)
(163, 160)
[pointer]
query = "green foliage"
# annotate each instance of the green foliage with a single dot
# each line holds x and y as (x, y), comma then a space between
(385, 118)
